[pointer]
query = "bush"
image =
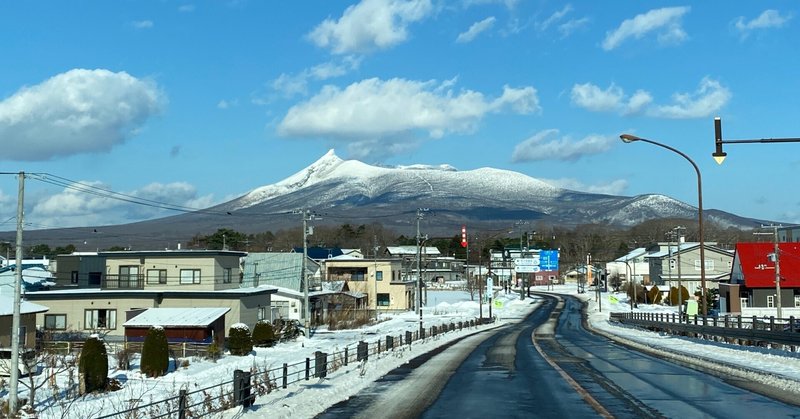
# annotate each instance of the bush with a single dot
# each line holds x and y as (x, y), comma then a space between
(213, 352)
(155, 353)
(263, 334)
(239, 340)
(654, 295)
(93, 365)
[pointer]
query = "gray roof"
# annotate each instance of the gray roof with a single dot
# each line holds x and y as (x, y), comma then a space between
(177, 317)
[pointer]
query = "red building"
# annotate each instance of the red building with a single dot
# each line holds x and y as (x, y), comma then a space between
(752, 284)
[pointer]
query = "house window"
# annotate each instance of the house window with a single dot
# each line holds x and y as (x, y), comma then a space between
(73, 277)
(156, 276)
(100, 319)
(55, 321)
(672, 264)
(280, 309)
(770, 301)
(745, 302)
(262, 313)
(709, 265)
(383, 300)
(190, 276)
(379, 276)
(128, 276)
(797, 300)
(226, 276)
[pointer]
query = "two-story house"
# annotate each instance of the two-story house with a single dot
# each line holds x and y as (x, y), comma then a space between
(380, 280)
(97, 292)
(282, 270)
(670, 263)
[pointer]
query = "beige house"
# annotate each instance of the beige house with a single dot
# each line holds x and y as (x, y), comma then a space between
(380, 280)
(96, 292)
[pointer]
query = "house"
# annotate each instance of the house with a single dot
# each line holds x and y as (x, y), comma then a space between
(35, 277)
(27, 329)
(752, 290)
(380, 280)
(664, 267)
(94, 291)
(204, 325)
(634, 265)
(282, 271)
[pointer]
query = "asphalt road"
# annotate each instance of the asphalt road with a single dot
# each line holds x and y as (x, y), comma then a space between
(560, 371)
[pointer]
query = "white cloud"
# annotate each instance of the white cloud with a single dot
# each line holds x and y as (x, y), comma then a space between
(709, 97)
(292, 85)
(186, 8)
(569, 27)
(142, 24)
(613, 99)
(75, 112)
(615, 187)
(226, 104)
(510, 4)
(666, 22)
(766, 20)
(370, 25)
(476, 29)
(71, 207)
(554, 18)
(546, 145)
(375, 111)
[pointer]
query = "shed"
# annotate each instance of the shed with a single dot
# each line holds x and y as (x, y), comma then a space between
(180, 324)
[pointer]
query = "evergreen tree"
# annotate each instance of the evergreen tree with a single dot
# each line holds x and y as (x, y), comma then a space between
(239, 340)
(93, 365)
(263, 334)
(155, 353)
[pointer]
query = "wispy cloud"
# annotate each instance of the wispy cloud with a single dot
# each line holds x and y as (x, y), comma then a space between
(476, 29)
(554, 18)
(768, 19)
(665, 23)
(80, 111)
(614, 187)
(549, 145)
(370, 25)
(186, 8)
(142, 24)
(709, 97)
(569, 27)
(384, 114)
(292, 85)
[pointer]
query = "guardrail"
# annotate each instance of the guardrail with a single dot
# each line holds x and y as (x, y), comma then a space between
(753, 331)
(247, 385)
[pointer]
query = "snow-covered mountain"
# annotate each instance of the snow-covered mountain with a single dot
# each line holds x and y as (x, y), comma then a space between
(352, 192)
(356, 192)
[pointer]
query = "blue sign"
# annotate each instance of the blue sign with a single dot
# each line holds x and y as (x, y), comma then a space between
(548, 260)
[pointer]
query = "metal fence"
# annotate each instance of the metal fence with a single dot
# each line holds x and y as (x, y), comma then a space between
(246, 386)
(753, 330)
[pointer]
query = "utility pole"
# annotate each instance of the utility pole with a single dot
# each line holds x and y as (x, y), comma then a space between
(307, 216)
(420, 215)
(480, 276)
(680, 282)
(775, 257)
(15, 320)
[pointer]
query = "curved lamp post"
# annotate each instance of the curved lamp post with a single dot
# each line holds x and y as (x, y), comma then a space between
(631, 138)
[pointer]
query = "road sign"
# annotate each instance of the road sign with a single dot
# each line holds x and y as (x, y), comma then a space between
(548, 260)
(527, 261)
(527, 269)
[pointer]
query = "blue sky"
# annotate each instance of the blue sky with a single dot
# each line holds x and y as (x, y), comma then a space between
(196, 103)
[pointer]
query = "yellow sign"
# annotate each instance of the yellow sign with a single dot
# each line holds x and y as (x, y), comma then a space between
(498, 304)
(613, 299)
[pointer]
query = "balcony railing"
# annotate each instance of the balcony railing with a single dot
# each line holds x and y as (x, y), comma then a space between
(123, 282)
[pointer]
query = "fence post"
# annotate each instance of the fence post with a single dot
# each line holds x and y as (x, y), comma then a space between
(792, 326)
(321, 364)
(241, 388)
(183, 349)
(389, 343)
(346, 356)
(379, 346)
(285, 374)
(362, 352)
(772, 323)
(182, 404)
(308, 367)
(408, 337)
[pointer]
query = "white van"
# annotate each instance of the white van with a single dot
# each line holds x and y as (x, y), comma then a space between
(5, 362)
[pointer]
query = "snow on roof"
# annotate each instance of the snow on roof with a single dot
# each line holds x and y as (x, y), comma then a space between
(177, 317)
(412, 250)
(25, 307)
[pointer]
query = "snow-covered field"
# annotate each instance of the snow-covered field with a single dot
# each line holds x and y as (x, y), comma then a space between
(307, 398)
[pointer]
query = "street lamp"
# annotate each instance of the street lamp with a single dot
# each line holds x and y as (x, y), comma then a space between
(627, 138)
(719, 155)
